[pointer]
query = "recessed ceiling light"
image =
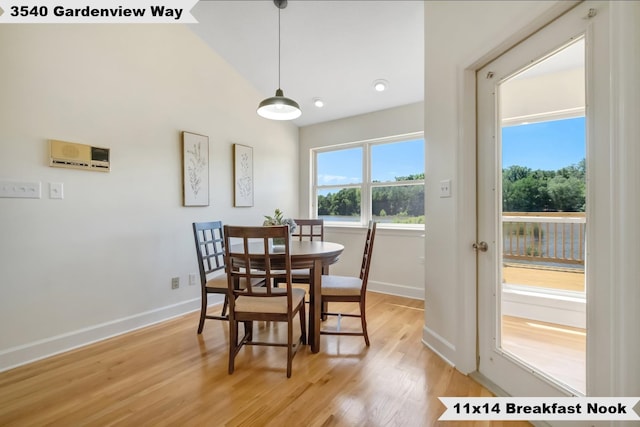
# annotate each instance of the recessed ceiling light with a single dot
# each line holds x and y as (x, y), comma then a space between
(318, 102)
(380, 85)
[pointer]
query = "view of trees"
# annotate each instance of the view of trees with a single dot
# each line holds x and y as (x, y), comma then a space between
(527, 190)
(523, 190)
(403, 200)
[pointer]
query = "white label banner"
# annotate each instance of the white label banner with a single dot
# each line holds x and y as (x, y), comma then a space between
(97, 12)
(540, 408)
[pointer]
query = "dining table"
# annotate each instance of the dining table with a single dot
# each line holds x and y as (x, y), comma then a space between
(317, 256)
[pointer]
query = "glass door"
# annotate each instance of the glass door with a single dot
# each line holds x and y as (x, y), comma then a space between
(532, 213)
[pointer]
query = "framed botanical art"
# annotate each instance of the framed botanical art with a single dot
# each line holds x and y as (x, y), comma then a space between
(242, 175)
(195, 169)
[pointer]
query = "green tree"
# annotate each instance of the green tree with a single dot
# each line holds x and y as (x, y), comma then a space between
(528, 194)
(515, 173)
(567, 194)
(527, 190)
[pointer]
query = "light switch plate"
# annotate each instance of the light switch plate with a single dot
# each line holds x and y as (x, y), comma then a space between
(56, 190)
(20, 190)
(445, 188)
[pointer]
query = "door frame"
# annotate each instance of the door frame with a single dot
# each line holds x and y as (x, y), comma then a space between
(599, 331)
(613, 349)
(467, 351)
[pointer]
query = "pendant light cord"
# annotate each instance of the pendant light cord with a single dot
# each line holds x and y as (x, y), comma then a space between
(279, 10)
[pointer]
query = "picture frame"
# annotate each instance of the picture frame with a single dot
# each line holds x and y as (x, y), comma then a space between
(195, 169)
(242, 175)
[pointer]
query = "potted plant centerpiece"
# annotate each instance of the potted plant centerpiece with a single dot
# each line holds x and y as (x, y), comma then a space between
(278, 219)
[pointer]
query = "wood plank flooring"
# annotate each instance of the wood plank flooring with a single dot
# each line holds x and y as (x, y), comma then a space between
(167, 375)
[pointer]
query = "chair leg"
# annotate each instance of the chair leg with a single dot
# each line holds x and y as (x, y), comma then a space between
(233, 343)
(203, 312)
(303, 324)
(324, 309)
(225, 305)
(248, 331)
(363, 320)
(289, 345)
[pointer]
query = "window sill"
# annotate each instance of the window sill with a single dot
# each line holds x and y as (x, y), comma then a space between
(383, 229)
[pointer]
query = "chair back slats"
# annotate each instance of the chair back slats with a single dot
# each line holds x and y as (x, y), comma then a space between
(209, 240)
(368, 252)
(249, 255)
(309, 229)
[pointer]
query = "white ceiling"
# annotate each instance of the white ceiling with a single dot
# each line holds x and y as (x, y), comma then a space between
(333, 50)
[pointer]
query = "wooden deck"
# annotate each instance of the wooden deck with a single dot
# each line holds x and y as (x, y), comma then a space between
(544, 277)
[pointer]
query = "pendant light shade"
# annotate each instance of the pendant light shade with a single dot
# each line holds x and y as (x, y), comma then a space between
(279, 107)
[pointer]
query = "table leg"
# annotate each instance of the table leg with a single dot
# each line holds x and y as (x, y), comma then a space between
(314, 306)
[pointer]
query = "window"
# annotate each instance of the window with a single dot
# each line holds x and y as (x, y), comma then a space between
(381, 180)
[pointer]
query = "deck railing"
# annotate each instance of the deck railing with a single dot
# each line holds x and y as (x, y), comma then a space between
(557, 237)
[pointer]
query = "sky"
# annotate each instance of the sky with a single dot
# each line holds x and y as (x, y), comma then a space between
(547, 145)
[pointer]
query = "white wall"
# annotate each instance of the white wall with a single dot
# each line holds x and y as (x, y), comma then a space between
(100, 261)
(476, 31)
(397, 264)
(472, 30)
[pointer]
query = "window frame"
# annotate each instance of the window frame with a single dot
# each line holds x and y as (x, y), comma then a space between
(366, 185)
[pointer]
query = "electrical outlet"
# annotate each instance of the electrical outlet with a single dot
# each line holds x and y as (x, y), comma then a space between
(175, 283)
(192, 279)
(445, 188)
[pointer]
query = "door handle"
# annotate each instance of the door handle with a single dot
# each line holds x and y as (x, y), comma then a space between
(481, 246)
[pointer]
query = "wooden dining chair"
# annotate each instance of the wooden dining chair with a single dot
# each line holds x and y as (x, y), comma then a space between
(308, 229)
(209, 240)
(350, 289)
(250, 258)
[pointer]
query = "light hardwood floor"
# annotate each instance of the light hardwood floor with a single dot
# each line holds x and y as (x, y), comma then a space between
(167, 375)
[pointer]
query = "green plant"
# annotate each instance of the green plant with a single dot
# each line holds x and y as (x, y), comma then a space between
(521, 229)
(532, 251)
(278, 219)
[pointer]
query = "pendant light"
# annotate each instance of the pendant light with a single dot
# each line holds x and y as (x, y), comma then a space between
(279, 107)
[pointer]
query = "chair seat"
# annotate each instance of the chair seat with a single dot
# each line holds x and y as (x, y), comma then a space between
(220, 282)
(269, 304)
(341, 285)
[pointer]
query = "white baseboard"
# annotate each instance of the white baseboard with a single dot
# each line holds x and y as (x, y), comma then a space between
(439, 345)
(27, 353)
(394, 289)
(544, 305)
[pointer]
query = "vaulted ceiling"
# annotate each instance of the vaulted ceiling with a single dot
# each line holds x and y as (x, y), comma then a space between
(332, 50)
